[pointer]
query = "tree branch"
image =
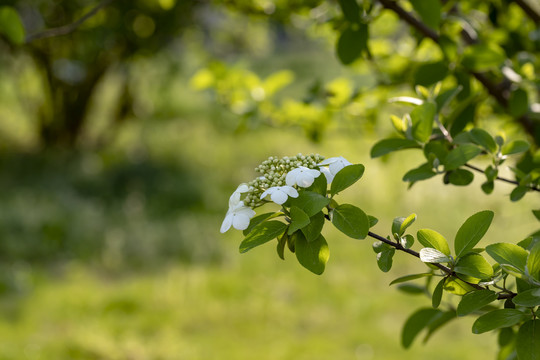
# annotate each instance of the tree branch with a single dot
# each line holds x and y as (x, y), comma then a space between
(499, 93)
(532, 187)
(66, 29)
(445, 269)
(529, 10)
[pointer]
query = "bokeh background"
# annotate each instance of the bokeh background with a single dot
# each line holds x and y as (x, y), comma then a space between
(120, 144)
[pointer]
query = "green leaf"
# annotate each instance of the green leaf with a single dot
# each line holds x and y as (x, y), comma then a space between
(428, 74)
(433, 256)
(533, 262)
(400, 224)
(386, 146)
(536, 214)
(351, 10)
(352, 43)
(422, 118)
(498, 319)
(407, 241)
(460, 177)
(483, 57)
(528, 298)
(488, 187)
(429, 11)
(528, 341)
(372, 221)
(379, 246)
(312, 255)
(446, 97)
(346, 177)
(259, 219)
(261, 234)
(461, 155)
(438, 322)
(11, 25)
(406, 278)
(431, 238)
(351, 221)
(456, 286)
(510, 254)
(474, 265)
(515, 147)
(417, 322)
(411, 289)
(314, 228)
(518, 193)
(299, 219)
(475, 300)
(319, 185)
(398, 124)
(518, 104)
(423, 172)
(281, 245)
(310, 202)
(437, 294)
(384, 258)
(484, 139)
(472, 231)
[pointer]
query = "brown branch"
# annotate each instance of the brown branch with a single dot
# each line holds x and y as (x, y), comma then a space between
(529, 10)
(499, 93)
(66, 29)
(513, 182)
(445, 269)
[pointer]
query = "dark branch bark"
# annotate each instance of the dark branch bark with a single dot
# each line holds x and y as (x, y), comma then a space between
(445, 269)
(499, 93)
(66, 29)
(532, 187)
(529, 10)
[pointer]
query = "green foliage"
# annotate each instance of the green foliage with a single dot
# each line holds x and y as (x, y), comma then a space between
(498, 319)
(472, 231)
(313, 255)
(528, 340)
(11, 25)
(346, 177)
(262, 233)
(351, 221)
(474, 301)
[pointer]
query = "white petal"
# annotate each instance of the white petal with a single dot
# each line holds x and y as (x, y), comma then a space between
(279, 197)
(240, 221)
(327, 161)
(245, 211)
(327, 174)
(289, 190)
(242, 188)
(290, 179)
(305, 180)
(227, 222)
(234, 199)
(266, 192)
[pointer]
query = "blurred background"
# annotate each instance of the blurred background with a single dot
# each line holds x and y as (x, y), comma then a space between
(120, 143)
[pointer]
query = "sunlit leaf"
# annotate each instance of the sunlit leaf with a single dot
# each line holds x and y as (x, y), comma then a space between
(351, 220)
(472, 231)
(511, 254)
(431, 238)
(461, 155)
(261, 234)
(346, 177)
(386, 146)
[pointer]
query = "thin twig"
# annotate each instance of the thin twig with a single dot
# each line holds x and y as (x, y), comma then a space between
(66, 29)
(445, 269)
(528, 9)
(532, 187)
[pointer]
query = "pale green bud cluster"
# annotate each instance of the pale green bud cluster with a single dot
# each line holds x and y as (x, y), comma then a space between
(273, 172)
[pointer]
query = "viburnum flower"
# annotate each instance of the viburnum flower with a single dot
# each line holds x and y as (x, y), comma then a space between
(280, 194)
(335, 165)
(238, 216)
(235, 197)
(301, 176)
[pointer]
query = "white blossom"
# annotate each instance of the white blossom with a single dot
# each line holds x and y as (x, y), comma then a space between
(238, 217)
(301, 176)
(280, 194)
(235, 197)
(335, 165)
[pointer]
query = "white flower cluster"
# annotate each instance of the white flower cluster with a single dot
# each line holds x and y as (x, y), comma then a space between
(279, 179)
